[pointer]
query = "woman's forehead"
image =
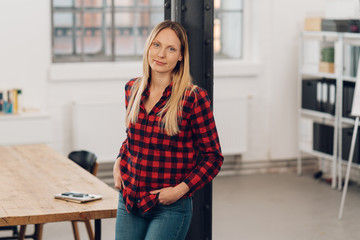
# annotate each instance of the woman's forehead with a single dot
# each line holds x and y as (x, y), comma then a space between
(168, 36)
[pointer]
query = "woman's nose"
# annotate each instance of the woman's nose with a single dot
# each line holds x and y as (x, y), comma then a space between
(161, 53)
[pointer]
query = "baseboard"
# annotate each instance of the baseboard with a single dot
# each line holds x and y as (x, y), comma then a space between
(239, 167)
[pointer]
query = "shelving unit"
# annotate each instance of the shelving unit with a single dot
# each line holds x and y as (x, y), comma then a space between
(309, 69)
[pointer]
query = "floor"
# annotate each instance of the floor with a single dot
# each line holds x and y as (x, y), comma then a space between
(265, 207)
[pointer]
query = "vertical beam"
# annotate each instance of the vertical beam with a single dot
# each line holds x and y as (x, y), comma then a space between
(198, 19)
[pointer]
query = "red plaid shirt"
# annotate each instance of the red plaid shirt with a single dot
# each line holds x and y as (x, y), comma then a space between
(151, 160)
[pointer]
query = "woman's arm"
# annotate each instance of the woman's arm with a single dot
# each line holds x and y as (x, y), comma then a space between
(206, 140)
(117, 176)
(170, 195)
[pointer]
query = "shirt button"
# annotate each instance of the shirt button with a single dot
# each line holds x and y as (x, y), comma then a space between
(138, 201)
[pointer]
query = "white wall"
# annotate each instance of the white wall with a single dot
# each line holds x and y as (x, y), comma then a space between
(268, 76)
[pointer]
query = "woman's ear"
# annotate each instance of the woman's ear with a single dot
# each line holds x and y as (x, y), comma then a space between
(180, 58)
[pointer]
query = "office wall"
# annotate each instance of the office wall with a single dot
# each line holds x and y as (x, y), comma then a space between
(268, 77)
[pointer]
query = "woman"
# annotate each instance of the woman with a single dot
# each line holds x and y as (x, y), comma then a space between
(169, 122)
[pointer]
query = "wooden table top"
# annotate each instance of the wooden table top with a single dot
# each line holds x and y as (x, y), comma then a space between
(30, 175)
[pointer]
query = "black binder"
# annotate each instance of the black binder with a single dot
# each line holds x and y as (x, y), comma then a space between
(348, 95)
(309, 93)
(323, 138)
(347, 134)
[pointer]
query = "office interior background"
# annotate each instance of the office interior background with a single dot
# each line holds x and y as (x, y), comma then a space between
(72, 84)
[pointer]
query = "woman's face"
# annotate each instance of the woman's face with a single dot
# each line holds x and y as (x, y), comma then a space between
(164, 52)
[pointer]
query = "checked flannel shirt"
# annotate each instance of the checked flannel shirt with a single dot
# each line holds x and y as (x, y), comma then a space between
(151, 160)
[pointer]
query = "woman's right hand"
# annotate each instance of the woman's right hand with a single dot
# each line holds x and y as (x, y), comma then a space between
(119, 184)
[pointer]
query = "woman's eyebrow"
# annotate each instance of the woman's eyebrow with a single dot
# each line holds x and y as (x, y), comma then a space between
(157, 41)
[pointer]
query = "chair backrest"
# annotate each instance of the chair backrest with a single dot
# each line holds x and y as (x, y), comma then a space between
(85, 159)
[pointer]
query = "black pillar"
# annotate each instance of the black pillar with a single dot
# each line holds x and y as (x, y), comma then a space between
(197, 17)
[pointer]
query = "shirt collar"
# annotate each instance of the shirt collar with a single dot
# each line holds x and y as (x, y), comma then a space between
(166, 93)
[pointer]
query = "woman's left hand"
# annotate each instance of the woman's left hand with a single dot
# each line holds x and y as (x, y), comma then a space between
(170, 195)
(167, 195)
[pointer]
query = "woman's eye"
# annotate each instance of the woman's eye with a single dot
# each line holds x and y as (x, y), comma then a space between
(172, 49)
(156, 45)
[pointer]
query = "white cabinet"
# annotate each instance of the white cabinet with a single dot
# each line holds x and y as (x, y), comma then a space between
(26, 128)
(323, 98)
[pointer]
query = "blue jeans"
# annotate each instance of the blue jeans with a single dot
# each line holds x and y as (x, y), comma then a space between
(161, 222)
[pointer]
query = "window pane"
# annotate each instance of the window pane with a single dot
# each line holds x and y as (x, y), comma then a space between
(93, 3)
(63, 3)
(124, 35)
(153, 3)
(123, 3)
(63, 33)
(94, 33)
(231, 39)
(230, 4)
(147, 21)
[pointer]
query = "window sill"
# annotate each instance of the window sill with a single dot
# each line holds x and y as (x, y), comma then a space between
(97, 71)
(113, 71)
(235, 68)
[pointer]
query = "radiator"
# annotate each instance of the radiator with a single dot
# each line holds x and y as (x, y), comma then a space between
(100, 126)
(231, 122)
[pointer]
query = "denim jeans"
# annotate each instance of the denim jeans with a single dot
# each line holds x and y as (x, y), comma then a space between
(161, 222)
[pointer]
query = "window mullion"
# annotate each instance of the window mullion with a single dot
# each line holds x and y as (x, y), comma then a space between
(103, 29)
(136, 12)
(113, 30)
(82, 31)
(74, 28)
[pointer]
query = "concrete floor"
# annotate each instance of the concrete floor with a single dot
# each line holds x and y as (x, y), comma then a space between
(264, 207)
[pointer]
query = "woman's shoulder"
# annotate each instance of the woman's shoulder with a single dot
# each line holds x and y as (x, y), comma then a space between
(193, 93)
(131, 83)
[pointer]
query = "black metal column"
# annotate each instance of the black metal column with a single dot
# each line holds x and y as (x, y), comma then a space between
(197, 16)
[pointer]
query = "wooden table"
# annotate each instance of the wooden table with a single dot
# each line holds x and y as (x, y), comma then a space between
(30, 175)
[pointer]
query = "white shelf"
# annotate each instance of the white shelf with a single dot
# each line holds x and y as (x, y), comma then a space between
(318, 74)
(321, 34)
(349, 79)
(25, 128)
(18, 116)
(349, 121)
(353, 165)
(318, 154)
(316, 114)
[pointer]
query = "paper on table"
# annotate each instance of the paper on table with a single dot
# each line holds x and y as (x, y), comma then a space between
(77, 197)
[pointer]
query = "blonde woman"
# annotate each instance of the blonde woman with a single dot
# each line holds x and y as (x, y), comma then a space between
(169, 123)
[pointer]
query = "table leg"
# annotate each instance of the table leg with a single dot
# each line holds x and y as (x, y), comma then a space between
(97, 229)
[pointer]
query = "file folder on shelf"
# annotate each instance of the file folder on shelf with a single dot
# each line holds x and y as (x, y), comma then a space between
(323, 138)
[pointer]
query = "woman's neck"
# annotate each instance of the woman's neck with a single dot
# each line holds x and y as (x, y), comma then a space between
(159, 81)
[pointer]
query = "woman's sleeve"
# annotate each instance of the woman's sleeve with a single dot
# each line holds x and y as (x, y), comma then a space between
(206, 140)
(127, 98)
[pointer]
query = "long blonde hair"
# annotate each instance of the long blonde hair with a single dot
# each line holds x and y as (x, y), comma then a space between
(171, 112)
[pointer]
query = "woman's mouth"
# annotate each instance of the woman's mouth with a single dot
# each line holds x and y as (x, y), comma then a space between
(159, 63)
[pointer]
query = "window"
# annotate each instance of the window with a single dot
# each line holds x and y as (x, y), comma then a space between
(228, 19)
(113, 30)
(102, 30)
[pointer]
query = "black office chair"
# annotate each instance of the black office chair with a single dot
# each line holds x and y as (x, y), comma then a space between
(86, 160)
(14, 230)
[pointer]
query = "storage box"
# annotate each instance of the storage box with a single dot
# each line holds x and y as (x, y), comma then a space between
(313, 24)
(326, 67)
